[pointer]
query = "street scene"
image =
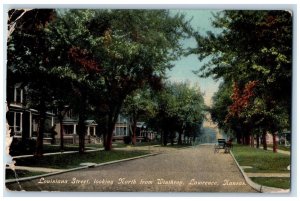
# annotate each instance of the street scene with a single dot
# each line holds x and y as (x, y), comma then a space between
(149, 100)
(189, 170)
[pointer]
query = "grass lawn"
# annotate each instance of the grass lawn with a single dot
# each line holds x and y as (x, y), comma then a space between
(66, 161)
(10, 174)
(261, 160)
(277, 182)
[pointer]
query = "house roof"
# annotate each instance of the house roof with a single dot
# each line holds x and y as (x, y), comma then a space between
(70, 122)
(90, 122)
(140, 124)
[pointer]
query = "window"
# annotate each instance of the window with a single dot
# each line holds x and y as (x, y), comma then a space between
(35, 125)
(18, 98)
(120, 131)
(15, 122)
(69, 114)
(68, 129)
(91, 130)
(122, 119)
(18, 122)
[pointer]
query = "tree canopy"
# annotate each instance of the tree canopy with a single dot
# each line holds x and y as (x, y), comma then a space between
(118, 52)
(253, 56)
(99, 56)
(180, 109)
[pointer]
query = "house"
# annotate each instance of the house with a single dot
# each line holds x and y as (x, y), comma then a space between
(143, 133)
(69, 127)
(23, 121)
(121, 128)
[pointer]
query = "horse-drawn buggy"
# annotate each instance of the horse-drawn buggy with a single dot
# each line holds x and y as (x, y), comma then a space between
(223, 144)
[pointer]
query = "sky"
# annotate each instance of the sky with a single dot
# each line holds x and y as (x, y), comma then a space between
(183, 67)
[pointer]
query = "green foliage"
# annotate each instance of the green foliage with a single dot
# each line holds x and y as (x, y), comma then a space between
(28, 63)
(140, 105)
(109, 54)
(253, 46)
(103, 58)
(220, 103)
(181, 109)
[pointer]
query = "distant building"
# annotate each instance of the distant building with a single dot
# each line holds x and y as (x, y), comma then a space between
(142, 133)
(121, 128)
(70, 129)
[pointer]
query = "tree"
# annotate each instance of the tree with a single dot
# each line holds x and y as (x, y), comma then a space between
(75, 64)
(180, 109)
(139, 105)
(219, 109)
(139, 46)
(62, 99)
(252, 46)
(28, 61)
(114, 53)
(191, 107)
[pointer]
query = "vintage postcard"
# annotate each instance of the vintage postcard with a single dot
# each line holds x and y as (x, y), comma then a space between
(149, 100)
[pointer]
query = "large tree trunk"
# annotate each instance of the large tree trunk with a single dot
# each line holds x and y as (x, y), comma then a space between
(172, 137)
(61, 128)
(246, 140)
(81, 119)
(41, 129)
(165, 137)
(61, 118)
(61, 136)
(275, 145)
(108, 137)
(239, 138)
(133, 127)
(257, 141)
(252, 140)
(111, 122)
(179, 137)
(81, 133)
(264, 140)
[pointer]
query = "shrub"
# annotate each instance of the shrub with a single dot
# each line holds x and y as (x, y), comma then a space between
(21, 147)
(127, 139)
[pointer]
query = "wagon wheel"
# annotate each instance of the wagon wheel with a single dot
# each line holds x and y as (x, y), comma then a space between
(227, 148)
(216, 149)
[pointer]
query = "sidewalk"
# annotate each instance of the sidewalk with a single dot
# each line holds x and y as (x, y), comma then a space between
(259, 187)
(268, 174)
(282, 151)
(57, 153)
(278, 150)
(37, 169)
